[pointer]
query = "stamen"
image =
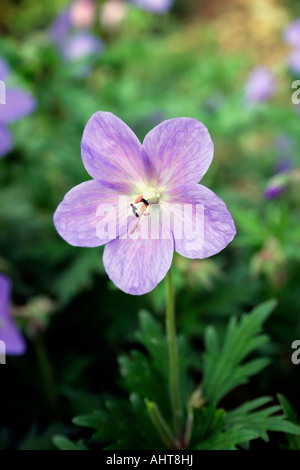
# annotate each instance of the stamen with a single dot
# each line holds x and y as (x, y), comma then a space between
(143, 209)
(134, 210)
(152, 198)
(138, 199)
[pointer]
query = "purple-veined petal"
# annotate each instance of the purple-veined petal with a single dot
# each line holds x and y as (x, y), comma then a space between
(91, 215)
(111, 152)
(4, 69)
(9, 333)
(179, 151)
(6, 141)
(137, 265)
(154, 6)
(198, 240)
(18, 104)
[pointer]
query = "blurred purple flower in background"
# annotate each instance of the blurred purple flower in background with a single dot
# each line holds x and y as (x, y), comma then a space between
(165, 170)
(277, 185)
(154, 6)
(71, 35)
(18, 104)
(61, 27)
(4, 69)
(261, 85)
(80, 14)
(284, 168)
(284, 146)
(81, 45)
(291, 36)
(294, 60)
(9, 333)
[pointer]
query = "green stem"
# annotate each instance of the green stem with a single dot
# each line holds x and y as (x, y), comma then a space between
(46, 371)
(160, 424)
(173, 360)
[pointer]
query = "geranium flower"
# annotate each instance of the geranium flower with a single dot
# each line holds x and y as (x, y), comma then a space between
(9, 333)
(157, 178)
(260, 86)
(154, 6)
(18, 104)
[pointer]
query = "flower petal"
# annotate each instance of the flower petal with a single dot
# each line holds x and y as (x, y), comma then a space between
(18, 104)
(9, 333)
(61, 27)
(207, 230)
(5, 293)
(136, 266)
(111, 152)
(84, 208)
(4, 69)
(6, 141)
(82, 45)
(179, 151)
(14, 342)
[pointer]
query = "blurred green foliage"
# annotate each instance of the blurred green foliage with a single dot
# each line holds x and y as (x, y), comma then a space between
(153, 68)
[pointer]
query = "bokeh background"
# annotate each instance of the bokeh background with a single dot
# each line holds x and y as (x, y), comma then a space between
(198, 59)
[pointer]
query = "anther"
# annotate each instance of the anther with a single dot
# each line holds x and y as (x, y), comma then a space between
(134, 210)
(138, 199)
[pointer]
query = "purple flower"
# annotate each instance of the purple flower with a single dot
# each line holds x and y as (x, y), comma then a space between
(61, 27)
(294, 60)
(158, 178)
(4, 69)
(285, 148)
(70, 35)
(79, 14)
(18, 104)
(261, 85)
(154, 6)
(9, 333)
(291, 34)
(81, 45)
(277, 186)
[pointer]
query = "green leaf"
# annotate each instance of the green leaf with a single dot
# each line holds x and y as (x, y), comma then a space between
(63, 443)
(249, 417)
(228, 440)
(224, 368)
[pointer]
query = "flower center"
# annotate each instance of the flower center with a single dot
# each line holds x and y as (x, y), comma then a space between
(142, 204)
